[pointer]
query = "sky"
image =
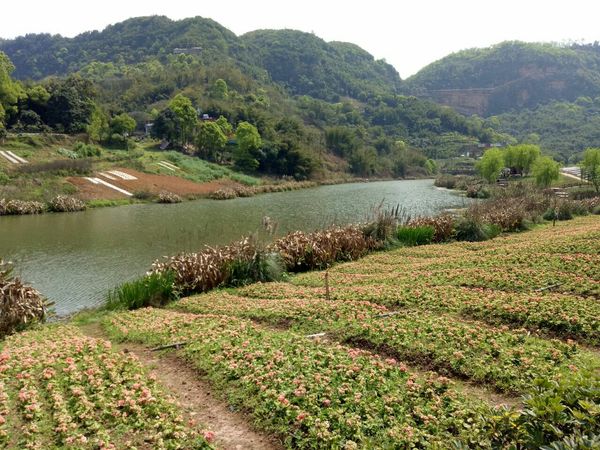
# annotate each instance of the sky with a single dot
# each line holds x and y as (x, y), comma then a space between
(407, 34)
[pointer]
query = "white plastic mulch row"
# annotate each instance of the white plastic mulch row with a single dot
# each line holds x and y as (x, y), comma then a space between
(122, 175)
(106, 175)
(95, 180)
(11, 157)
(167, 166)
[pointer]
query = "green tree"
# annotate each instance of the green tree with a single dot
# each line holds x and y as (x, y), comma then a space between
(520, 158)
(590, 167)
(248, 145)
(122, 124)
(490, 164)
(166, 126)
(210, 141)
(225, 126)
(71, 104)
(187, 116)
(363, 162)
(219, 89)
(545, 170)
(98, 128)
(10, 91)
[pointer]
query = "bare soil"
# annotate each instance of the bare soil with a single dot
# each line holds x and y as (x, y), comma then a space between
(198, 402)
(145, 182)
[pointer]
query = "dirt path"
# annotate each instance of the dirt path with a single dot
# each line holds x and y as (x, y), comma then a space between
(232, 430)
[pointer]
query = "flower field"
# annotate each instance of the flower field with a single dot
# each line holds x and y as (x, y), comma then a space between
(313, 395)
(60, 389)
(409, 348)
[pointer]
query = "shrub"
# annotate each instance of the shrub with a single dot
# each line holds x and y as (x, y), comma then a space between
(20, 207)
(564, 211)
(63, 203)
(244, 191)
(558, 414)
(168, 197)
(20, 305)
(443, 226)
(223, 194)
(301, 251)
(261, 267)
(216, 266)
(471, 229)
(411, 236)
(86, 150)
(383, 224)
(156, 289)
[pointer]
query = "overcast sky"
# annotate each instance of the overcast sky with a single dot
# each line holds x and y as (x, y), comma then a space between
(408, 34)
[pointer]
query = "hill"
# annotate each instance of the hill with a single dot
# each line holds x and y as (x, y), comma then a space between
(319, 108)
(132, 41)
(307, 65)
(510, 76)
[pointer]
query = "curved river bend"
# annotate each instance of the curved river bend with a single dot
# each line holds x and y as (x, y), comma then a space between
(75, 258)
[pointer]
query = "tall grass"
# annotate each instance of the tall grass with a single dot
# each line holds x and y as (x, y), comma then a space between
(415, 235)
(156, 289)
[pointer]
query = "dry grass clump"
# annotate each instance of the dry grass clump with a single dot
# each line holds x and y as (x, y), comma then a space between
(20, 305)
(168, 197)
(64, 203)
(443, 226)
(213, 266)
(20, 207)
(244, 191)
(223, 194)
(301, 251)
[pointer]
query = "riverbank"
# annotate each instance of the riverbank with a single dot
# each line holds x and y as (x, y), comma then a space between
(61, 166)
(88, 252)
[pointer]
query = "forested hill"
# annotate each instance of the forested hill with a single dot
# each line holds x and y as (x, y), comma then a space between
(302, 62)
(308, 65)
(510, 76)
(36, 56)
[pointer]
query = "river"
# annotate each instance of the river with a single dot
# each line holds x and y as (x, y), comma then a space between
(74, 258)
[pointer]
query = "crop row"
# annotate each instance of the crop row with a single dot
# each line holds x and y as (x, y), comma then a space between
(314, 395)
(59, 389)
(561, 315)
(509, 360)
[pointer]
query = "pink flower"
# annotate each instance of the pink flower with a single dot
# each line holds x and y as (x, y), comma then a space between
(209, 436)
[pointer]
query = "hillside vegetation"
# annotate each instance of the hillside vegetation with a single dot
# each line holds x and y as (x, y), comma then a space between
(510, 76)
(315, 109)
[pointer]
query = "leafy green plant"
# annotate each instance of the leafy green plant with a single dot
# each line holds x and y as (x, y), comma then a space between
(418, 235)
(471, 229)
(155, 289)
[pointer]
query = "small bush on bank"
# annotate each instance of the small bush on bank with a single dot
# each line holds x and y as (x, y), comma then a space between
(218, 266)
(443, 226)
(168, 197)
(63, 203)
(223, 194)
(412, 236)
(301, 251)
(20, 305)
(156, 289)
(20, 207)
(472, 230)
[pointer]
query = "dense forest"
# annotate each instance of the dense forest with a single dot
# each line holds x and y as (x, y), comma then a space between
(300, 107)
(510, 76)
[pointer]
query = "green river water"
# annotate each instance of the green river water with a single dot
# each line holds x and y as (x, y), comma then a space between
(75, 258)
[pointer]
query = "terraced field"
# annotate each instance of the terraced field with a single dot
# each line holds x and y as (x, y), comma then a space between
(462, 345)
